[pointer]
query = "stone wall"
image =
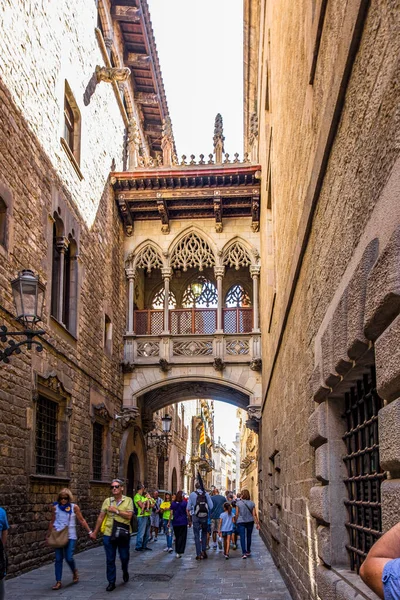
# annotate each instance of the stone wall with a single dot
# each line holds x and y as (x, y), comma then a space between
(41, 48)
(328, 144)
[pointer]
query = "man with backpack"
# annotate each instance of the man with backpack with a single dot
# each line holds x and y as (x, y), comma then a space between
(3, 543)
(198, 508)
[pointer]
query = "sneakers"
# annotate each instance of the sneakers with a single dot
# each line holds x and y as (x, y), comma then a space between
(125, 576)
(226, 556)
(207, 547)
(179, 555)
(170, 550)
(234, 547)
(110, 587)
(220, 543)
(248, 553)
(167, 549)
(244, 556)
(156, 539)
(215, 546)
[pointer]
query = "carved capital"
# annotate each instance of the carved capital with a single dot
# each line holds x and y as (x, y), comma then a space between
(219, 272)
(166, 272)
(130, 272)
(255, 270)
(62, 244)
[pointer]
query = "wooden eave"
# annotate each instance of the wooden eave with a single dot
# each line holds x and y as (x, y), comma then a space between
(138, 38)
(219, 191)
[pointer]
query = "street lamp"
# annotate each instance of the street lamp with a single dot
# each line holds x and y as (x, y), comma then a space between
(161, 440)
(28, 293)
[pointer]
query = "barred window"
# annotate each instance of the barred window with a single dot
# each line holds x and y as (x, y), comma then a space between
(46, 436)
(98, 431)
(3, 222)
(364, 474)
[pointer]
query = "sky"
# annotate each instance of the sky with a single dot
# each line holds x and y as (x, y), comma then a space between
(225, 423)
(200, 49)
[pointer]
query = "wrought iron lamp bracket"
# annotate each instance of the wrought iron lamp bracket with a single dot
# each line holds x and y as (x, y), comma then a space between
(13, 346)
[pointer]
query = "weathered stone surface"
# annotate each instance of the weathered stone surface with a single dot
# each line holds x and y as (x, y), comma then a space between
(390, 495)
(327, 582)
(389, 437)
(321, 463)
(340, 360)
(319, 390)
(383, 289)
(387, 360)
(357, 343)
(324, 544)
(319, 503)
(317, 426)
(329, 375)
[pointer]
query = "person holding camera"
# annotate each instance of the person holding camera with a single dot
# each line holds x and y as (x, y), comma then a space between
(114, 521)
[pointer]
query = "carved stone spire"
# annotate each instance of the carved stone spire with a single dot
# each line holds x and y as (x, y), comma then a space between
(133, 144)
(218, 139)
(167, 143)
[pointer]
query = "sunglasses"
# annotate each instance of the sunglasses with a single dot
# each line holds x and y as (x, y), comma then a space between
(115, 487)
(63, 498)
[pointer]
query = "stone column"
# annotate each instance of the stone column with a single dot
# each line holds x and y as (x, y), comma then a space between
(219, 273)
(62, 246)
(130, 273)
(166, 275)
(255, 274)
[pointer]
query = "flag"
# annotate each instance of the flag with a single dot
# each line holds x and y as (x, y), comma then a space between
(202, 439)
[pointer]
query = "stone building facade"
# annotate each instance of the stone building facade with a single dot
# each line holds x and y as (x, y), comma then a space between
(322, 119)
(248, 457)
(67, 118)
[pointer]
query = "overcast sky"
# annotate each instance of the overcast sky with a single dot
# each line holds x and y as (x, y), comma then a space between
(200, 47)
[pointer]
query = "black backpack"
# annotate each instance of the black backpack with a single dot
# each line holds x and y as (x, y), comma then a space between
(201, 508)
(3, 561)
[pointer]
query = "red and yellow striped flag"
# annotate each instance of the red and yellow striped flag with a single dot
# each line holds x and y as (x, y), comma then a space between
(202, 439)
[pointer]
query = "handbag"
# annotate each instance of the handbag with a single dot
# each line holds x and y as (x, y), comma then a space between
(58, 539)
(120, 533)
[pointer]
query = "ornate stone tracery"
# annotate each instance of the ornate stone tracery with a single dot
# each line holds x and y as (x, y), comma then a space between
(192, 251)
(148, 259)
(236, 256)
(159, 297)
(200, 292)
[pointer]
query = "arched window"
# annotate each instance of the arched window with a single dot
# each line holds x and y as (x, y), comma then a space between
(201, 292)
(3, 223)
(71, 139)
(237, 297)
(158, 299)
(64, 287)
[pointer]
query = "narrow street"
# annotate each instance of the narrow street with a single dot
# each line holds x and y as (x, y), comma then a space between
(159, 576)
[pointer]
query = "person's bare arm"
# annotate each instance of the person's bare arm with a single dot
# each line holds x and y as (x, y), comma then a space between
(81, 519)
(255, 515)
(385, 549)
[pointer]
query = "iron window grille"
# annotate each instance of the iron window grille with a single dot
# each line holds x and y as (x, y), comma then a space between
(98, 430)
(46, 436)
(364, 474)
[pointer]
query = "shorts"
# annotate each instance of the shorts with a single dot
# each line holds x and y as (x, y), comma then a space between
(391, 579)
(226, 533)
(214, 525)
(155, 520)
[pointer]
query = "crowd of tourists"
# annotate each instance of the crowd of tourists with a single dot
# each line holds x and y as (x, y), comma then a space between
(217, 520)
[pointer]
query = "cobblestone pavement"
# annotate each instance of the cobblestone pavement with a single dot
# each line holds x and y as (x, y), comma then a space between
(255, 578)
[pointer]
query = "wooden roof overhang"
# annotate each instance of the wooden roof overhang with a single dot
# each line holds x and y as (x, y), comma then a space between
(142, 58)
(165, 194)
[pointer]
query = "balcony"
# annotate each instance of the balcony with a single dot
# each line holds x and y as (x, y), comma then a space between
(193, 321)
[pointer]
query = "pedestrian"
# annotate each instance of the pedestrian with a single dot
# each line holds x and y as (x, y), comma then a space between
(142, 506)
(4, 527)
(226, 527)
(115, 522)
(155, 516)
(246, 515)
(218, 502)
(180, 522)
(64, 514)
(165, 511)
(235, 534)
(381, 569)
(199, 505)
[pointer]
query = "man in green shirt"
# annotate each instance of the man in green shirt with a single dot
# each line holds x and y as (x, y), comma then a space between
(142, 506)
